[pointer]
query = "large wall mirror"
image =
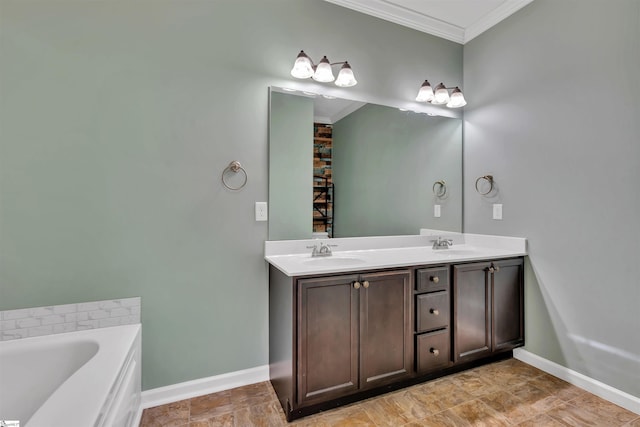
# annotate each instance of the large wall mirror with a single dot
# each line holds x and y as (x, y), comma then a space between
(351, 169)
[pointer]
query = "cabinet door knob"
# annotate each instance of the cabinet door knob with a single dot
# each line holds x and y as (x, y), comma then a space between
(434, 351)
(491, 269)
(356, 285)
(435, 279)
(365, 284)
(434, 311)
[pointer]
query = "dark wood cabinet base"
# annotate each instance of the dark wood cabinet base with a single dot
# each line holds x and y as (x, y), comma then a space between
(335, 403)
(344, 337)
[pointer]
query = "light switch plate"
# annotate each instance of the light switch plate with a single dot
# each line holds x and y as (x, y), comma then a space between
(436, 211)
(497, 211)
(261, 211)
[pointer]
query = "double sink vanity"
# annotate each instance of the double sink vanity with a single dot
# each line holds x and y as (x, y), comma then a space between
(367, 315)
(350, 318)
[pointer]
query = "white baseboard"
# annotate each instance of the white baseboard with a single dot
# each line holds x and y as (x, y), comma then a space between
(202, 386)
(596, 387)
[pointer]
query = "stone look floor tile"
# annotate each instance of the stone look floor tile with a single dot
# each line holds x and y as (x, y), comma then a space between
(211, 405)
(506, 393)
(477, 413)
(634, 423)
(541, 420)
(386, 413)
(475, 384)
(259, 415)
(603, 408)
(514, 409)
(174, 414)
(348, 417)
(570, 415)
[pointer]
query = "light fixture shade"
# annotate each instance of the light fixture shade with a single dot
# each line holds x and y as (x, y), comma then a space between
(302, 68)
(345, 76)
(457, 99)
(323, 71)
(425, 94)
(441, 95)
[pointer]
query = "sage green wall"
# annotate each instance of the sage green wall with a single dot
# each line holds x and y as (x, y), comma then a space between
(118, 118)
(554, 114)
(290, 167)
(384, 170)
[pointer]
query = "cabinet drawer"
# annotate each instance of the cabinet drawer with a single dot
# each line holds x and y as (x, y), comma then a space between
(432, 279)
(432, 311)
(433, 351)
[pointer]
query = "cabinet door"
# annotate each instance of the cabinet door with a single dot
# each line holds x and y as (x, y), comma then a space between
(327, 338)
(471, 311)
(386, 344)
(507, 289)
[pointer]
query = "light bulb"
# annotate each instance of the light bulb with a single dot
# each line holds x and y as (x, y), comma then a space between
(457, 99)
(441, 95)
(302, 68)
(425, 94)
(345, 76)
(323, 71)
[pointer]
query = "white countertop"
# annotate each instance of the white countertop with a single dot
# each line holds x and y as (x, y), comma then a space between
(293, 257)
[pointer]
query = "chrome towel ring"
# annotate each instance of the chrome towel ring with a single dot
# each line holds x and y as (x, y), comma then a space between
(234, 167)
(489, 179)
(442, 188)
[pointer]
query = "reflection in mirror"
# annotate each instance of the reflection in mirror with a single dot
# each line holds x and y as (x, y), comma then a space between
(377, 163)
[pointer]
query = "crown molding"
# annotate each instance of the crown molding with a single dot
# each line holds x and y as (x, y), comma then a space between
(505, 10)
(408, 18)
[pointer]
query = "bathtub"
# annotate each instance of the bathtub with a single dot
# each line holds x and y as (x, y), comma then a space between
(76, 379)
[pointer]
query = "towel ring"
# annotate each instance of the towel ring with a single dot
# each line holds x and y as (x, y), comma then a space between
(489, 179)
(442, 190)
(234, 167)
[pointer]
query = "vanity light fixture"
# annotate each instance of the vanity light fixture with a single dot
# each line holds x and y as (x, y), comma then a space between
(441, 96)
(304, 68)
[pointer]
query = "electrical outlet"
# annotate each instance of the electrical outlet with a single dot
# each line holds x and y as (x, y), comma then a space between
(436, 211)
(261, 211)
(497, 211)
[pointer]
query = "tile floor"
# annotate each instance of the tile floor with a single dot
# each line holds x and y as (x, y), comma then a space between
(507, 393)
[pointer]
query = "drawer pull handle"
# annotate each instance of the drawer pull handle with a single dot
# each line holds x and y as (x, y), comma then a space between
(435, 279)
(434, 351)
(434, 311)
(356, 285)
(365, 284)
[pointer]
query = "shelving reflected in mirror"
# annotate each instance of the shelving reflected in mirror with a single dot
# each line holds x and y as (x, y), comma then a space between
(353, 169)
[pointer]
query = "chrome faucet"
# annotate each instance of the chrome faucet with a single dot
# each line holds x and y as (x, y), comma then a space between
(441, 243)
(324, 250)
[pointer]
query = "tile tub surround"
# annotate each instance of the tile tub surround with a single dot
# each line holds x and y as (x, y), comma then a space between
(291, 256)
(56, 319)
(507, 393)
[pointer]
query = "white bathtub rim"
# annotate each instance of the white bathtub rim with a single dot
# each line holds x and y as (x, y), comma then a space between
(72, 396)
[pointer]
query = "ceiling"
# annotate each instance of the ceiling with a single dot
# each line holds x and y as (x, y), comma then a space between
(455, 20)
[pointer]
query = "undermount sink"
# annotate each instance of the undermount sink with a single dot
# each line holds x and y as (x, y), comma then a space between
(333, 261)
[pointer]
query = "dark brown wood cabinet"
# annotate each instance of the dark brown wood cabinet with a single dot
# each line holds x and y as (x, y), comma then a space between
(386, 334)
(339, 338)
(433, 318)
(354, 333)
(488, 308)
(327, 338)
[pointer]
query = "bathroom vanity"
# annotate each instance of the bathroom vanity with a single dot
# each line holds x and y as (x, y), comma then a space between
(366, 321)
